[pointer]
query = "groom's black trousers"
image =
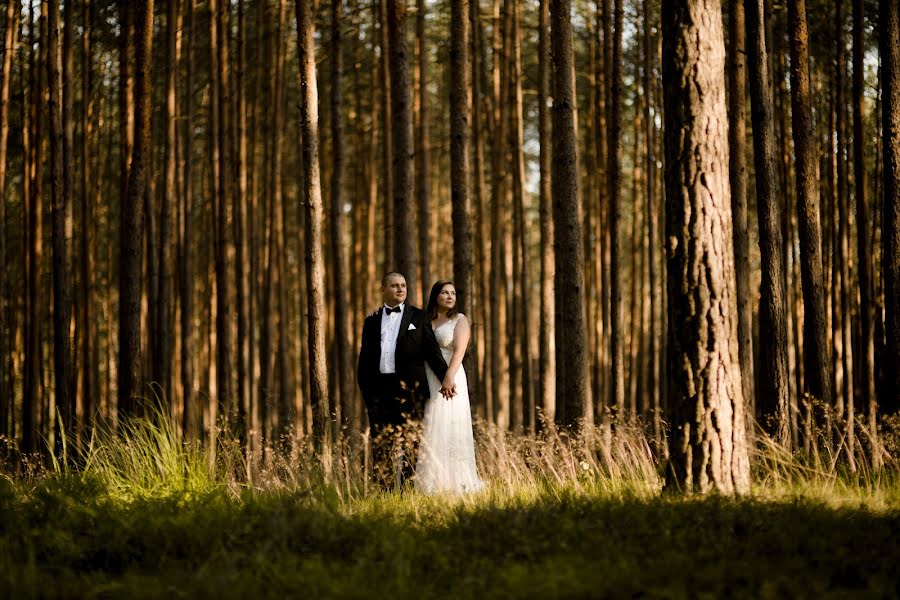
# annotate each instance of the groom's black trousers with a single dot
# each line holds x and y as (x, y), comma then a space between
(393, 417)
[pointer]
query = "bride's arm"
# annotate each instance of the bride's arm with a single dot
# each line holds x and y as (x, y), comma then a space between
(461, 334)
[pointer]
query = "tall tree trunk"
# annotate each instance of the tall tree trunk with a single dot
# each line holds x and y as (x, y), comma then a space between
(61, 234)
(889, 37)
(708, 446)
(772, 314)
(459, 151)
(423, 185)
(222, 194)
(190, 415)
(31, 138)
(845, 404)
(613, 169)
(865, 267)
(737, 171)
(817, 359)
(338, 255)
(480, 312)
(312, 196)
(89, 391)
(239, 230)
(546, 364)
(569, 296)
(9, 49)
(401, 142)
(387, 136)
(161, 341)
(652, 225)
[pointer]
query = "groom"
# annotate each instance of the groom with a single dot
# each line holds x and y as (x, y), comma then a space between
(397, 340)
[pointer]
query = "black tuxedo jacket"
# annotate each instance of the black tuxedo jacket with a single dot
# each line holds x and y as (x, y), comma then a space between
(414, 348)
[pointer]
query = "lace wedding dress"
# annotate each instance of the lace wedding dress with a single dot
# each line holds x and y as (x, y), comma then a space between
(447, 450)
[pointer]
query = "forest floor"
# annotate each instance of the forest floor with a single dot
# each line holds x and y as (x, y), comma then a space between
(144, 516)
(67, 538)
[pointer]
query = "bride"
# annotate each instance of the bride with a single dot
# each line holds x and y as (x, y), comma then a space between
(447, 451)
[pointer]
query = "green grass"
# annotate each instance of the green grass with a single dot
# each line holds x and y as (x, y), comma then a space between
(148, 518)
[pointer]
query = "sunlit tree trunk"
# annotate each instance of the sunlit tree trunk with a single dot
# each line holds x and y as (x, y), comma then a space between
(423, 185)
(240, 233)
(312, 197)
(707, 445)
(546, 393)
(614, 154)
(865, 267)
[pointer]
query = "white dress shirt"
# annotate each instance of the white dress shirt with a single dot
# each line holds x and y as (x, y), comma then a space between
(390, 329)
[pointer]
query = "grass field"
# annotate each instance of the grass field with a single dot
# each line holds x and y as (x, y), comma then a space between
(146, 517)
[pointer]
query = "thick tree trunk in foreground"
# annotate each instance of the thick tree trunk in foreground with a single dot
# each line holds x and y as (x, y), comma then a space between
(614, 175)
(459, 152)
(708, 441)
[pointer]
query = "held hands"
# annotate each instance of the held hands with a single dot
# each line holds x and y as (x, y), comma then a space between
(448, 387)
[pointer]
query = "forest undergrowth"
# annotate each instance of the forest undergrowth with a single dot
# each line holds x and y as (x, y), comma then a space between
(140, 514)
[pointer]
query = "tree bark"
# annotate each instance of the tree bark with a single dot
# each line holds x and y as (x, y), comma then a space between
(131, 230)
(190, 412)
(387, 136)
(459, 152)
(338, 255)
(772, 313)
(546, 363)
(402, 148)
(707, 445)
(613, 169)
(817, 359)
(312, 195)
(61, 234)
(239, 230)
(569, 295)
(865, 267)
(9, 45)
(737, 170)
(889, 23)
(423, 185)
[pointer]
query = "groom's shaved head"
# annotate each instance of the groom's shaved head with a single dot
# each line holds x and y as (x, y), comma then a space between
(387, 276)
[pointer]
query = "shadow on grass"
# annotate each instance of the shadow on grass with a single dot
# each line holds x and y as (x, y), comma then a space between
(65, 538)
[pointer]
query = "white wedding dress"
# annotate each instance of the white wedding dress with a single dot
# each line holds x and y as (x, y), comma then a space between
(447, 450)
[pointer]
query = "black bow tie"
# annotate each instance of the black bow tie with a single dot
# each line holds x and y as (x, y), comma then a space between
(388, 311)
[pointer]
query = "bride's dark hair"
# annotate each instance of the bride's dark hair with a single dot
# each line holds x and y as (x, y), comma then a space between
(432, 308)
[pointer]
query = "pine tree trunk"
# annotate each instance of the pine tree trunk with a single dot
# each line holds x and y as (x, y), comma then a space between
(867, 397)
(889, 23)
(401, 113)
(614, 153)
(387, 136)
(190, 414)
(569, 295)
(707, 453)
(817, 368)
(459, 152)
(312, 195)
(338, 255)
(9, 45)
(131, 230)
(61, 229)
(546, 364)
(90, 403)
(772, 314)
(239, 230)
(737, 170)
(423, 185)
